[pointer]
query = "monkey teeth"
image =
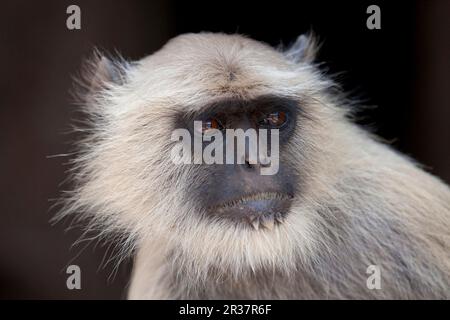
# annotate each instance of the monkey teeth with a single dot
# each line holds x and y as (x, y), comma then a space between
(259, 211)
(268, 222)
(265, 221)
(255, 224)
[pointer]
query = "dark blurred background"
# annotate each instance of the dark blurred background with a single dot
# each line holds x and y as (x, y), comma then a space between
(403, 69)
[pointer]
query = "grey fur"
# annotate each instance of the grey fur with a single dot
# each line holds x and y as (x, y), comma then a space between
(361, 203)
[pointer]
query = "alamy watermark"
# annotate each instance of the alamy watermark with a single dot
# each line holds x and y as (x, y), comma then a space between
(374, 20)
(251, 147)
(374, 280)
(74, 279)
(73, 21)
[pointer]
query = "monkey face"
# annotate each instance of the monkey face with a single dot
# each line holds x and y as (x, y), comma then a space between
(238, 191)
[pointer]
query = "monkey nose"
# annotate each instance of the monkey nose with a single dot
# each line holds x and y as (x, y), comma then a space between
(255, 161)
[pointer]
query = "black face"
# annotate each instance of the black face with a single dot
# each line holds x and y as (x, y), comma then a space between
(239, 192)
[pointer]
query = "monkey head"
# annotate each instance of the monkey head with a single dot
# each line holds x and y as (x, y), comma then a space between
(227, 215)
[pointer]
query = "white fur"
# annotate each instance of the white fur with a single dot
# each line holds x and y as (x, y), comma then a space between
(362, 204)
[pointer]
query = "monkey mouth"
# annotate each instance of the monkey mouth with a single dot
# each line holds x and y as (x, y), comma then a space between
(258, 211)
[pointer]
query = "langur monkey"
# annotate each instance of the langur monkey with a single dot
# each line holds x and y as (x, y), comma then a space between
(341, 203)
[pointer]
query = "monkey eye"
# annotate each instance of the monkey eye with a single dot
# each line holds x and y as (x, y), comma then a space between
(210, 124)
(274, 119)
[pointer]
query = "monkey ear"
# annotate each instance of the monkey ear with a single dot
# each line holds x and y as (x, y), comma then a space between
(100, 72)
(105, 71)
(304, 49)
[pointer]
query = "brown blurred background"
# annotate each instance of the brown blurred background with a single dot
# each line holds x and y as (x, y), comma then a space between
(404, 69)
